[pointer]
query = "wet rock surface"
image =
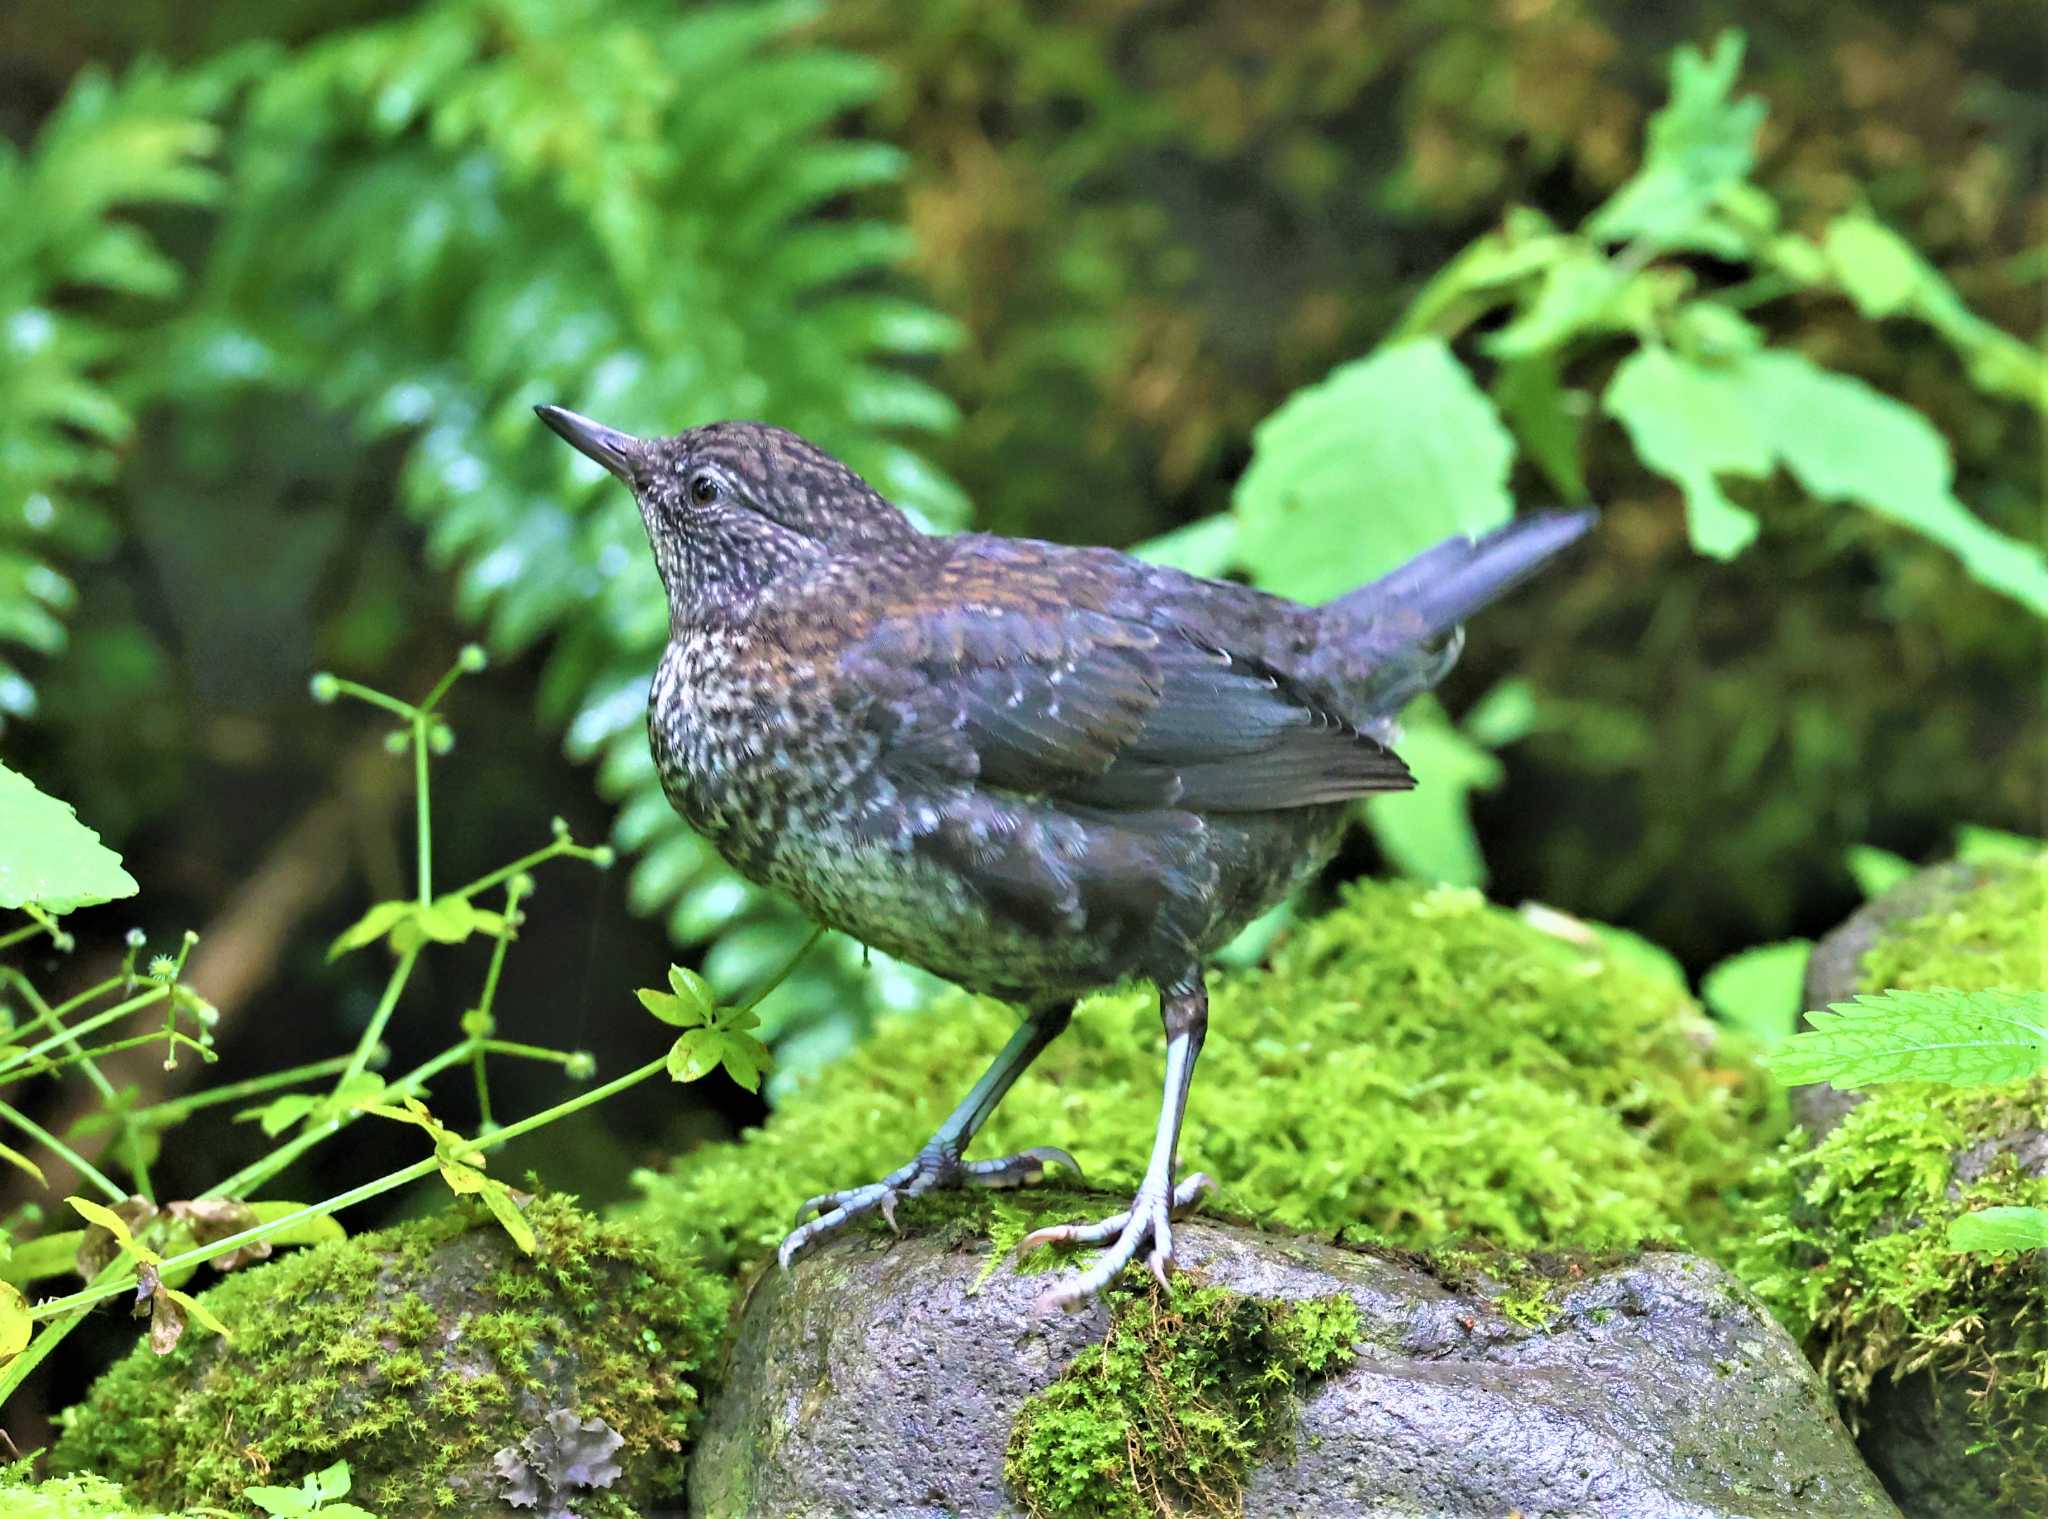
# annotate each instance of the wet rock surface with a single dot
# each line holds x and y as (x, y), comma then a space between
(884, 1377)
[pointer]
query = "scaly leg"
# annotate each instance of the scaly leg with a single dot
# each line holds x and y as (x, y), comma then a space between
(1184, 1008)
(939, 1164)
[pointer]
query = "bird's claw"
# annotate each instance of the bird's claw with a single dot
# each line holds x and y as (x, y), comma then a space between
(829, 1212)
(1147, 1220)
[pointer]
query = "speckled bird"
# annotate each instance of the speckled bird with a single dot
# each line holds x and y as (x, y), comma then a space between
(1034, 770)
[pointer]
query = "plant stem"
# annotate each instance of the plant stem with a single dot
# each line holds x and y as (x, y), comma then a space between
(77, 1162)
(426, 827)
(373, 1034)
(178, 1107)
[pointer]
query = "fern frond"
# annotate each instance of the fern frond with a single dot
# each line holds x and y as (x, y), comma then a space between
(1952, 1037)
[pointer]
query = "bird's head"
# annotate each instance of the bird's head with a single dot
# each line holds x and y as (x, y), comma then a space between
(733, 507)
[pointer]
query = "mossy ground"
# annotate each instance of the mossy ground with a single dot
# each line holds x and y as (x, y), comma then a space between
(74, 1497)
(1416, 1067)
(1166, 1416)
(416, 1353)
(1846, 1241)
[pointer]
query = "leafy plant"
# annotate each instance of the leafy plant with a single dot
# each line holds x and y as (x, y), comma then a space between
(1392, 452)
(317, 1494)
(137, 1247)
(490, 203)
(71, 261)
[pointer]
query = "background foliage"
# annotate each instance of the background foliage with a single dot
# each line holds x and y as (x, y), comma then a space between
(279, 282)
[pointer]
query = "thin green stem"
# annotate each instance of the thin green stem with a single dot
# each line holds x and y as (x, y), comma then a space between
(404, 709)
(526, 1051)
(524, 863)
(71, 1157)
(15, 936)
(98, 1020)
(783, 975)
(177, 1107)
(373, 1035)
(426, 826)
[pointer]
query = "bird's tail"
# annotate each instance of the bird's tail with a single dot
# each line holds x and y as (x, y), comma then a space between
(1397, 626)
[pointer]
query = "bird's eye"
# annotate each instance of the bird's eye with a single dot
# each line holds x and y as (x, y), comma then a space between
(704, 489)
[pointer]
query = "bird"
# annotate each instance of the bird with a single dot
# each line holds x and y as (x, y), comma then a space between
(1035, 770)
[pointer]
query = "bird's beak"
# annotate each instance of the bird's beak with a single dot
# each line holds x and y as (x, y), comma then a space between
(618, 452)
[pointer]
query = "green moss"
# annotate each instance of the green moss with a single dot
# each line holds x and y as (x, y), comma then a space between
(1189, 1386)
(416, 1353)
(1416, 1067)
(75, 1497)
(1845, 1240)
(1991, 937)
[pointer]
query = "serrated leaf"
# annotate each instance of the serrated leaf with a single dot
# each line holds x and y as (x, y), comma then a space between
(48, 857)
(1951, 1037)
(2000, 1229)
(1760, 991)
(1382, 459)
(1207, 548)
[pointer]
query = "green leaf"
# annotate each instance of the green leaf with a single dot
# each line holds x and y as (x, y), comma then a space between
(105, 1217)
(1760, 991)
(1485, 274)
(1999, 1229)
(282, 1502)
(322, 1229)
(47, 857)
(694, 1055)
(371, 926)
(198, 1310)
(45, 1255)
(1876, 268)
(1548, 419)
(689, 1002)
(1384, 458)
(1952, 1037)
(1876, 871)
(1701, 148)
(1207, 548)
(15, 1324)
(498, 1198)
(1427, 833)
(1845, 441)
(1690, 424)
(21, 1162)
(332, 1481)
(1978, 845)
(281, 1113)
(1574, 295)
(745, 1058)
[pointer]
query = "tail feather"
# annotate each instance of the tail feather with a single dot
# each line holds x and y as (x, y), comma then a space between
(1446, 584)
(1402, 632)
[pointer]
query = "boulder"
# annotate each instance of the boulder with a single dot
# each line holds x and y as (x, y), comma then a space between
(893, 1377)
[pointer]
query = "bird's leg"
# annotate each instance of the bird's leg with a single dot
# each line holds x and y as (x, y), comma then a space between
(1184, 1008)
(939, 1164)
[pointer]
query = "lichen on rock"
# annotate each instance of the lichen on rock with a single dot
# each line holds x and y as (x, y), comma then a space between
(1415, 1067)
(418, 1353)
(1941, 1358)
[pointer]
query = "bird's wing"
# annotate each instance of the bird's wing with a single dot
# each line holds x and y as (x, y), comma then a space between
(1101, 711)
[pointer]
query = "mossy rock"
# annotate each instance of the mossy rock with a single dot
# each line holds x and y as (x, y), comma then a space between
(1277, 1376)
(450, 1370)
(1415, 1067)
(1939, 1359)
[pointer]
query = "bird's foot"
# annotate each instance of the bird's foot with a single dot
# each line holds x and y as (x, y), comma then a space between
(933, 1169)
(1149, 1218)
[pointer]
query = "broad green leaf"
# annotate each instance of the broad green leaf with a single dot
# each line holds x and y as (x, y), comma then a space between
(1691, 423)
(1955, 1038)
(1978, 844)
(1573, 296)
(282, 1502)
(1548, 419)
(1878, 269)
(1701, 147)
(15, 1324)
(745, 1058)
(1996, 1229)
(45, 1255)
(1484, 275)
(693, 1055)
(1876, 871)
(1384, 458)
(498, 1198)
(15, 1158)
(322, 1229)
(1427, 833)
(332, 1481)
(1845, 441)
(1207, 548)
(48, 857)
(1760, 991)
